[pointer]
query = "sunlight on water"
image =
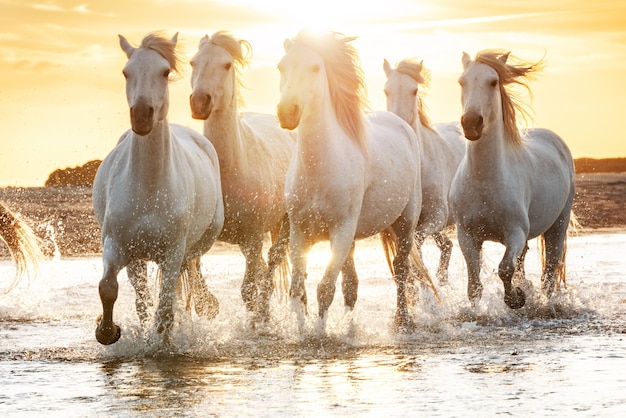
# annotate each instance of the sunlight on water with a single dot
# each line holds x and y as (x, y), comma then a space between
(558, 356)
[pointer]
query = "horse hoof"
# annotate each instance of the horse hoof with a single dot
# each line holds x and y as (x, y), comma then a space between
(403, 324)
(108, 336)
(516, 299)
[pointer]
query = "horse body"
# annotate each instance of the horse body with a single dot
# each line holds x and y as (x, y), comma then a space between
(157, 195)
(441, 148)
(350, 176)
(254, 154)
(509, 188)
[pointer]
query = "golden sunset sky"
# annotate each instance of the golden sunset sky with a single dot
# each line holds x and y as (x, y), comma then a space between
(62, 99)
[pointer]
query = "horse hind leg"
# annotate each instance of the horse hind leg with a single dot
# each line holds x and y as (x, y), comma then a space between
(255, 268)
(205, 303)
(107, 332)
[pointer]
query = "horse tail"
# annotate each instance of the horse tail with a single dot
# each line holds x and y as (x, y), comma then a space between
(278, 260)
(417, 272)
(560, 273)
(22, 242)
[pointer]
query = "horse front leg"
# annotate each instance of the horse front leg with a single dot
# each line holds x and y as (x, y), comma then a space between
(277, 264)
(514, 297)
(256, 268)
(138, 276)
(205, 302)
(299, 249)
(445, 247)
(349, 280)
(472, 252)
(171, 269)
(107, 332)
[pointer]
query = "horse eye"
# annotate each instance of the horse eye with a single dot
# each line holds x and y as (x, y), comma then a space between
(494, 83)
(227, 66)
(415, 92)
(166, 73)
(124, 74)
(386, 93)
(316, 68)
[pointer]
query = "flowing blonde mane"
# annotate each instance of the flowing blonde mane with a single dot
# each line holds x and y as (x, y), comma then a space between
(157, 42)
(241, 51)
(416, 70)
(345, 79)
(517, 73)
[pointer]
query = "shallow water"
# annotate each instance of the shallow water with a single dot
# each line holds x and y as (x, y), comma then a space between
(550, 358)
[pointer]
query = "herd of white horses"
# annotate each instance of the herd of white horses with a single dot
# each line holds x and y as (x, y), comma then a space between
(321, 169)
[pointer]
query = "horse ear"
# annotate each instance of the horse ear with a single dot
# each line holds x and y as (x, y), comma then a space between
(287, 44)
(174, 39)
(467, 60)
(126, 46)
(203, 41)
(502, 58)
(386, 67)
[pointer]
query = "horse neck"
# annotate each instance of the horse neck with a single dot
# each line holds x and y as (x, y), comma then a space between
(488, 155)
(224, 129)
(151, 155)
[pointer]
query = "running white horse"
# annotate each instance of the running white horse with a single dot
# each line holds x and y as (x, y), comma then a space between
(254, 154)
(511, 186)
(22, 242)
(157, 195)
(441, 155)
(352, 176)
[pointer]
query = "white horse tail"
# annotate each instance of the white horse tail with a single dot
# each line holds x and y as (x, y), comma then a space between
(22, 242)
(561, 270)
(418, 272)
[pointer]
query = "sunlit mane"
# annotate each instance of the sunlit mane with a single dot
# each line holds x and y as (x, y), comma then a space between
(240, 49)
(345, 78)
(516, 73)
(157, 42)
(416, 70)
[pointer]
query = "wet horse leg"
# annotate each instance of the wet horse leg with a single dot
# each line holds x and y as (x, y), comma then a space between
(255, 268)
(205, 303)
(299, 248)
(555, 239)
(107, 332)
(401, 268)
(472, 253)
(276, 256)
(138, 276)
(349, 280)
(514, 297)
(445, 246)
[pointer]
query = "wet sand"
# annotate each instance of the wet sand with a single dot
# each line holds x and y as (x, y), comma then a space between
(66, 211)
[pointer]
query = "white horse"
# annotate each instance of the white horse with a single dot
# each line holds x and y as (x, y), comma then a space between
(22, 242)
(157, 195)
(511, 186)
(352, 176)
(254, 154)
(441, 155)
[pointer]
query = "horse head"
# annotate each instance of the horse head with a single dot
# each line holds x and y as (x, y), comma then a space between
(214, 78)
(147, 74)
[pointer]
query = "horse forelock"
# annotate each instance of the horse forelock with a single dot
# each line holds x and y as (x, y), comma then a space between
(510, 74)
(415, 69)
(346, 81)
(157, 42)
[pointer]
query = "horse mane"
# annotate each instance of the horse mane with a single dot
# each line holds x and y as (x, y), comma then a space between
(516, 73)
(241, 51)
(345, 79)
(157, 42)
(416, 70)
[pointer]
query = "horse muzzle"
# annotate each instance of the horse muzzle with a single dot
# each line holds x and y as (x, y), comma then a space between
(142, 118)
(200, 106)
(473, 125)
(288, 116)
